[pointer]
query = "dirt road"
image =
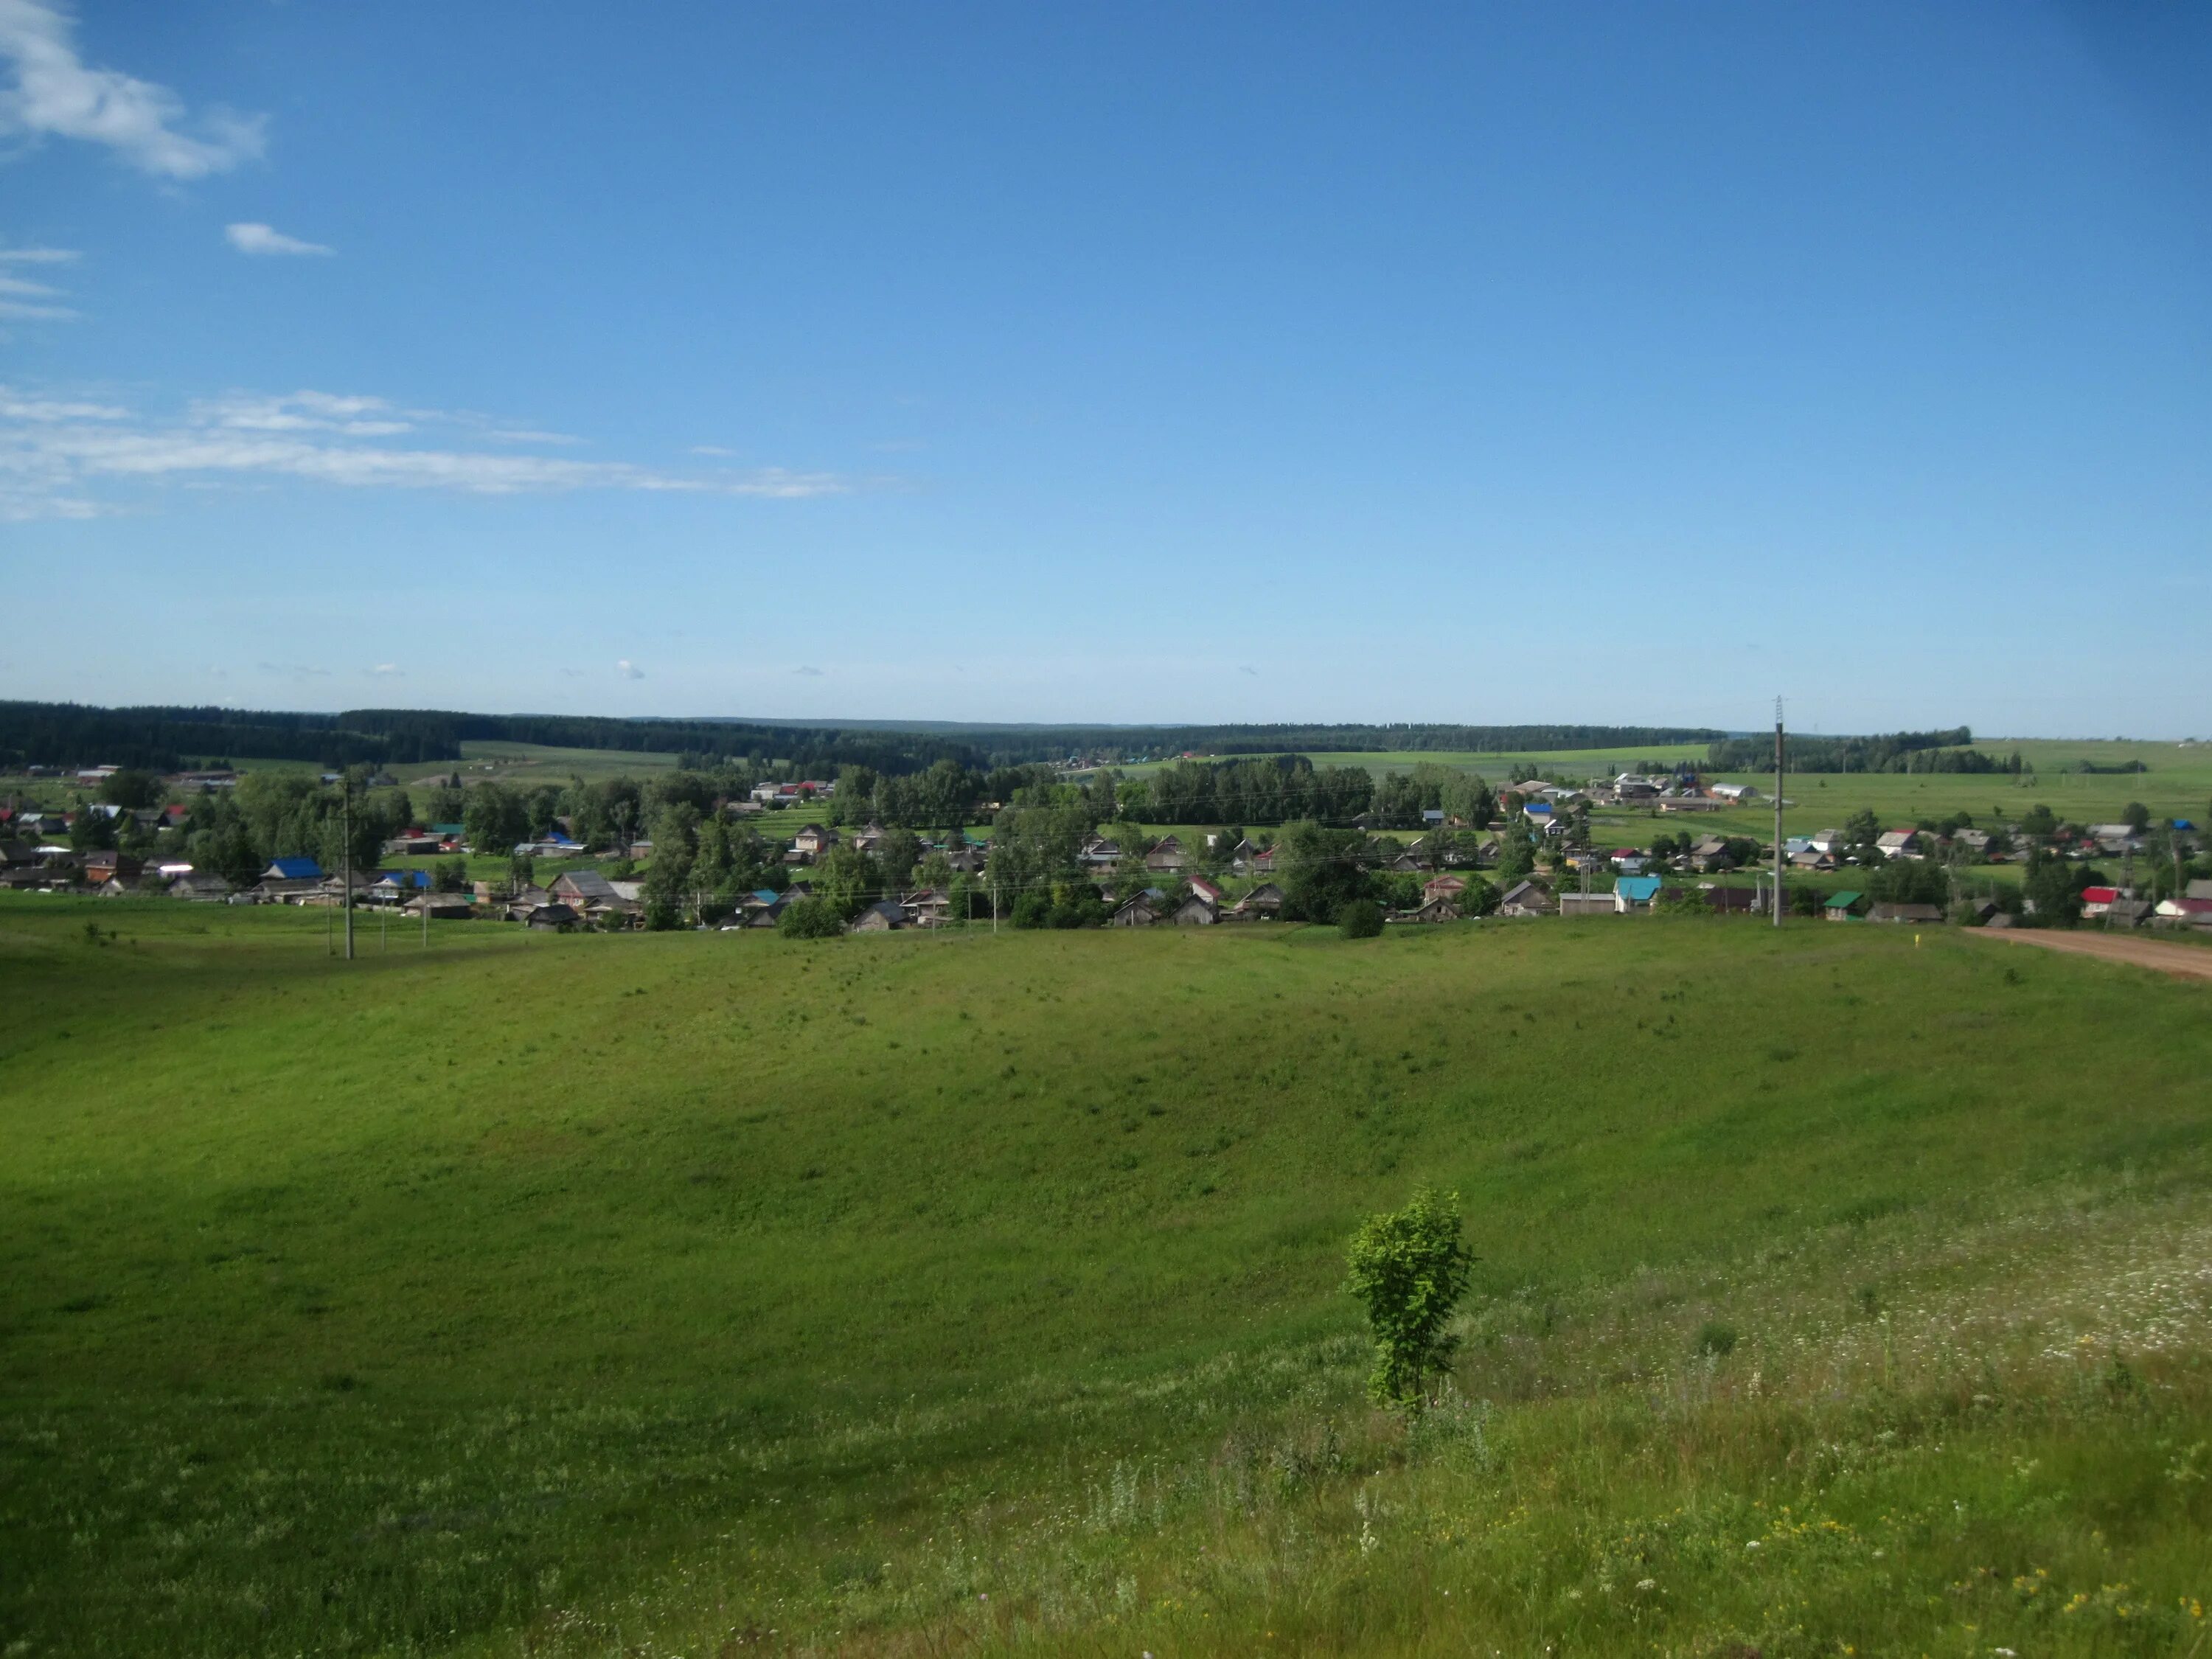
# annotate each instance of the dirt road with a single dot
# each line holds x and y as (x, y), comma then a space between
(2190, 961)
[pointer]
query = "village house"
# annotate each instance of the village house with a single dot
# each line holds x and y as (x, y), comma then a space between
(103, 867)
(1446, 888)
(1572, 903)
(1266, 901)
(205, 885)
(1196, 911)
(1434, 910)
(1525, 898)
(1843, 907)
(880, 917)
(1634, 893)
(1898, 844)
(1137, 913)
(582, 889)
(1166, 858)
(929, 907)
(554, 918)
(813, 841)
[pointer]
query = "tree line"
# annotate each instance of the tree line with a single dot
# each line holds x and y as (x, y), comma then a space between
(1949, 751)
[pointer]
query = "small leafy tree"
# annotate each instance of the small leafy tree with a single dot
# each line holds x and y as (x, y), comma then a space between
(1360, 919)
(809, 918)
(1409, 1270)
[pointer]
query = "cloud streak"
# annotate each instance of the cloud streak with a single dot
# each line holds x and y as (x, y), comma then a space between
(55, 452)
(259, 239)
(55, 94)
(26, 297)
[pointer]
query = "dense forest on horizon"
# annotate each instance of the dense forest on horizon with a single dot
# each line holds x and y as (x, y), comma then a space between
(166, 738)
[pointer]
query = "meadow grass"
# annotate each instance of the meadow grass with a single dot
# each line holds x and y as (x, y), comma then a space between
(653, 1293)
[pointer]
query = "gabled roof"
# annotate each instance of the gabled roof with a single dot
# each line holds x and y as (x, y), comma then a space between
(1638, 889)
(1842, 900)
(585, 884)
(2099, 895)
(294, 870)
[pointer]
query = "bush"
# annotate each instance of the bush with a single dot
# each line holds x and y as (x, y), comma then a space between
(1715, 1340)
(1360, 919)
(451, 876)
(809, 918)
(1409, 1270)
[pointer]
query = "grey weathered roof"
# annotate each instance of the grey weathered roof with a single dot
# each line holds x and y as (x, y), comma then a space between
(588, 884)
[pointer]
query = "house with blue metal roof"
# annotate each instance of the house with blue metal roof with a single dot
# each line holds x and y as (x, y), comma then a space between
(301, 869)
(1635, 893)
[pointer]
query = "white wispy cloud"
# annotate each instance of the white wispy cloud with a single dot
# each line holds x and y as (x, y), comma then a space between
(388, 670)
(709, 449)
(27, 299)
(265, 238)
(300, 411)
(13, 407)
(524, 435)
(54, 453)
(55, 94)
(629, 670)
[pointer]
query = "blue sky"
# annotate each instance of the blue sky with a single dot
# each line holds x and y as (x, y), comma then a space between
(1210, 362)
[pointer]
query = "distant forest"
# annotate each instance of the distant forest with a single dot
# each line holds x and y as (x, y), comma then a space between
(166, 739)
(1947, 751)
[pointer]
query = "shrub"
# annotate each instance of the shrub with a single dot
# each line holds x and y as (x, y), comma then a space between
(809, 918)
(1715, 1339)
(1409, 1269)
(1360, 919)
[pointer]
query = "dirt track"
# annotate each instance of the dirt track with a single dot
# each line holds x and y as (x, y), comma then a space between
(2190, 961)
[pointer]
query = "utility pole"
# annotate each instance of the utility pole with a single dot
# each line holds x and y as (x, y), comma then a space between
(1778, 812)
(345, 857)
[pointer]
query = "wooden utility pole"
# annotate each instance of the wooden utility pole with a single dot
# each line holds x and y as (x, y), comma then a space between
(345, 857)
(1778, 812)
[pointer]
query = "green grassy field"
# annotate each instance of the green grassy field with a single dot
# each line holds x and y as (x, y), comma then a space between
(703, 1294)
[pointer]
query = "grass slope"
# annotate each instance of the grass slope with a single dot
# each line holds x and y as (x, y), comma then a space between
(653, 1293)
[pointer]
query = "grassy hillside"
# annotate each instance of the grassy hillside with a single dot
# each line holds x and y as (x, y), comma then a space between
(653, 1293)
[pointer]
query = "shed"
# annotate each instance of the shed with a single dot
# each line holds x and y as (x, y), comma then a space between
(1906, 912)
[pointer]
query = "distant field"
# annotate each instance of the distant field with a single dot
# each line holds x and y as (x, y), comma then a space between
(949, 1294)
(529, 763)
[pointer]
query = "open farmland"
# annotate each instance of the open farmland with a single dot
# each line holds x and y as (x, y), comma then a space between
(653, 1293)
